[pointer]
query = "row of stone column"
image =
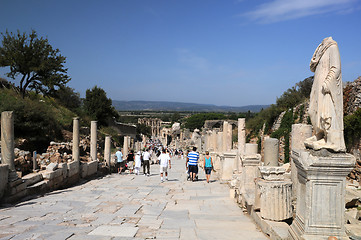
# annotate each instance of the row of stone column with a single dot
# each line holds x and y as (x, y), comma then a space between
(7, 141)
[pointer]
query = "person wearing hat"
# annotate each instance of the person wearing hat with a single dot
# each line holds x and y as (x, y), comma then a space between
(137, 163)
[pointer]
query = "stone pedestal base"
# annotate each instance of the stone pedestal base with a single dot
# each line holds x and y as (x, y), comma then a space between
(275, 199)
(250, 173)
(228, 165)
(321, 194)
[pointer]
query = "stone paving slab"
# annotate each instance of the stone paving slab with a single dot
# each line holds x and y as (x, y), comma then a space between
(115, 231)
(127, 206)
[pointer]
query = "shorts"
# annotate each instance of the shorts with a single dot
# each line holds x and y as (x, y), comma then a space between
(130, 164)
(208, 170)
(121, 164)
(163, 169)
(193, 168)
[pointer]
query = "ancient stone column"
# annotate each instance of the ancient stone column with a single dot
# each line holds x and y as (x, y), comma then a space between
(7, 139)
(229, 138)
(271, 152)
(251, 148)
(224, 136)
(125, 146)
(75, 154)
(107, 151)
(219, 142)
(241, 135)
(93, 140)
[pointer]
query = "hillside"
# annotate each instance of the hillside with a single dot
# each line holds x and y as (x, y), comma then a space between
(179, 106)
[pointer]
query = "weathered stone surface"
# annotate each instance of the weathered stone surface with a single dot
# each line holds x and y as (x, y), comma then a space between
(271, 152)
(75, 150)
(73, 168)
(275, 199)
(321, 194)
(32, 178)
(4, 173)
(52, 166)
(93, 140)
(228, 165)
(272, 173)
(92, 167)
(64, 167)
(7, 139)
(251, 149)
(52, 174)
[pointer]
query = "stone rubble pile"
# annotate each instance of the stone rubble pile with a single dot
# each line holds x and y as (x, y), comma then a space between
(353, 91)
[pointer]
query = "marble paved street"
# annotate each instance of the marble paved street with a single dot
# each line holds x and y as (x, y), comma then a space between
(132, 207)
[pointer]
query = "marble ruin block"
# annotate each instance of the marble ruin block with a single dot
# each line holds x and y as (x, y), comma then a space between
(107, 150)
(7, 139)
(93, 140)
(228, 165)
(251, 149)
(271, 152)
(275, 199)
(75, 152)
(250, 173)
(321, 195)
(274, 194)
(300, 132)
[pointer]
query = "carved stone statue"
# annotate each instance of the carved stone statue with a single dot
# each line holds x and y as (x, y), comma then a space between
(326, 101)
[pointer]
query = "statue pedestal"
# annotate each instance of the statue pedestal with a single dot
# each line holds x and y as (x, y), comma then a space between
(321, 194)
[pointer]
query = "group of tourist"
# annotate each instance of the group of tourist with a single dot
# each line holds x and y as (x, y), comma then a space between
(133, 162)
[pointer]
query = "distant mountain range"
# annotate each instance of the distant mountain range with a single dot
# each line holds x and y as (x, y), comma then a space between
(179, 106)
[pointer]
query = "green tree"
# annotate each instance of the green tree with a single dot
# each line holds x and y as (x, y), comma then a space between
(68, 97)
(144, 129)
(175, 117)
(40, 66)
(98, 106)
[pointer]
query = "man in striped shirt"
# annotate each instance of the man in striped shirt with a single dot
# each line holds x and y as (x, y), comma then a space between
(193, 157)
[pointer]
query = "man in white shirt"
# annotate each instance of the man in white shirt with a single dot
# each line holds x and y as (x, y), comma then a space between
(146, 163)
(164, 159)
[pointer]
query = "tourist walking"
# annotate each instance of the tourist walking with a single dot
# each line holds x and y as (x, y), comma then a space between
(130, 161)
(120, 162)
(137, 163)
(146, 162)
(208, 165)
(193, 157)
(164, 161)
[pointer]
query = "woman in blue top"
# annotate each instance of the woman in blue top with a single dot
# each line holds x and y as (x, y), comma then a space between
(208, 165)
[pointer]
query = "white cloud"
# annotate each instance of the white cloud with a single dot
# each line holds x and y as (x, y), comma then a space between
(281, 10)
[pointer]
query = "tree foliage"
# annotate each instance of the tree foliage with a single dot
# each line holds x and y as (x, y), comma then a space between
(40, 67)
(68, 97)
(144, 129)
(352, 129)
(37, 119)
(98, 106)
(289, 99)
(197, 120)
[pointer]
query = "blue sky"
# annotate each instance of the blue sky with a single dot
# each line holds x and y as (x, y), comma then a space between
(226, 52)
